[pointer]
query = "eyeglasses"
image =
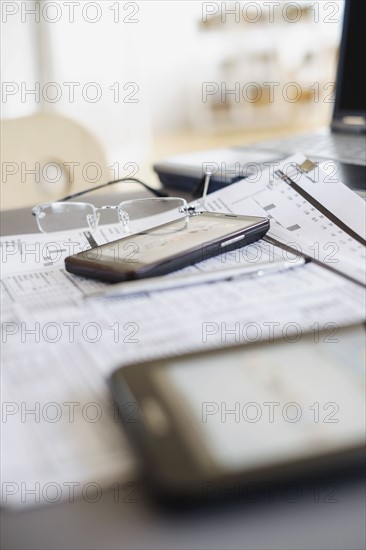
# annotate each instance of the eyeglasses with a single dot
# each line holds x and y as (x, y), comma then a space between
(134, 215)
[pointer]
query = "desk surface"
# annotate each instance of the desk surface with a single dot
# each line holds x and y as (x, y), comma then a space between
(283, 519)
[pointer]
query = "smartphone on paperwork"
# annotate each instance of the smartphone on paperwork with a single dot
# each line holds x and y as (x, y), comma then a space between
(223, 423)
(168, 247)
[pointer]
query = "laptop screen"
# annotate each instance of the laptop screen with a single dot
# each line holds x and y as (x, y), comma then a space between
(351, 89)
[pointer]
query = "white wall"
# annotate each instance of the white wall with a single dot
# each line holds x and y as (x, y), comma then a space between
(164, 53)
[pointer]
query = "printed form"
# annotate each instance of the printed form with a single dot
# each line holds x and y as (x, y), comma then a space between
(60, 428)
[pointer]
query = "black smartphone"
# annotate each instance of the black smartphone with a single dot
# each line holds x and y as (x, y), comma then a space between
(168, 247)
(224, 422)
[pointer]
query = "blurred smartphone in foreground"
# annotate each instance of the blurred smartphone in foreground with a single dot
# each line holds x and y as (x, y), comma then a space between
(221, 420)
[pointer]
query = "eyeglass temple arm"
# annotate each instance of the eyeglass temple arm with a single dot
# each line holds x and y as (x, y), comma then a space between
(201, 190)
(206, 185)
(155, 192)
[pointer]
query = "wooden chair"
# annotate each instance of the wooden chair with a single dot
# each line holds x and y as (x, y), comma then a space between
(45, 156)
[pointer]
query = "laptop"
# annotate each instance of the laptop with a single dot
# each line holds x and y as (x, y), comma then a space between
(344, 142)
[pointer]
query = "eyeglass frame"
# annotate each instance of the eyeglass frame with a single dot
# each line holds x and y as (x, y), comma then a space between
(189, 209)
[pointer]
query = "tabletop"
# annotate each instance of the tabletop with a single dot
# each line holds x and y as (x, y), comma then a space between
(296, 516)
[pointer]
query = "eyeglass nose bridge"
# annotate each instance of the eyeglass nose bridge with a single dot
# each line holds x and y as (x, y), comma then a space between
(107, 207)
(123, 217)
(93, 219)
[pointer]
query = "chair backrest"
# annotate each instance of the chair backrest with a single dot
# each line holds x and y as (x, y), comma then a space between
(45, 156)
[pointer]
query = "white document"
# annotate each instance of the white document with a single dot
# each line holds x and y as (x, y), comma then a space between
(45, 251)
(60, 432)
(294, 220)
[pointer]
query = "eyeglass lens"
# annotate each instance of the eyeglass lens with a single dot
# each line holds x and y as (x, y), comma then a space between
(59, 216)
(145, 214)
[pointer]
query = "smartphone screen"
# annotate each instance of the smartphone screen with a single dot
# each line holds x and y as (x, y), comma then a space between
(171, 239)
(261, 405)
